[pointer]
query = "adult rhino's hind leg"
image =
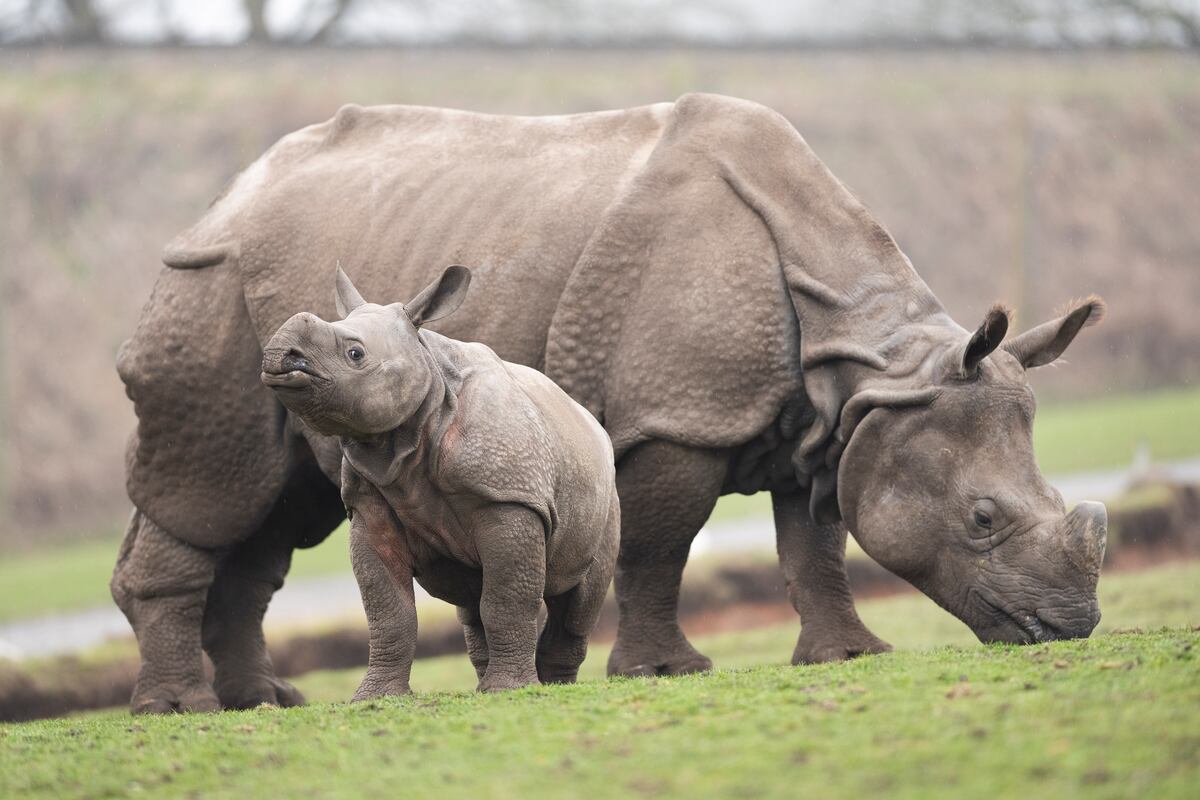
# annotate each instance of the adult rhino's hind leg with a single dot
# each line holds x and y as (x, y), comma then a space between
(209, 460)
(160, 583)
(246, 578)
(813, 559)
(667, 492)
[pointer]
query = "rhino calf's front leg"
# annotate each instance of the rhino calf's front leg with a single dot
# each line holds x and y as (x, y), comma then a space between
(511, 542)
(813, 559)
(385, 580)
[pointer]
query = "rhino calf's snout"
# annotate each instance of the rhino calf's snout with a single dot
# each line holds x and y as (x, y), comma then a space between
(294, 359)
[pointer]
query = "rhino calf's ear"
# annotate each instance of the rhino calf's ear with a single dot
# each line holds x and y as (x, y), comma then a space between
(1043, 344)
(441, 297)
(346, 298)
(985, 339)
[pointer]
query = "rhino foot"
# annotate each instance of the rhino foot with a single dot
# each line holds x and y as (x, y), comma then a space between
(823, 647)
(501, 682)
(632, 664)
(170, 699)
(555, 673)
(373, 688)
(255, 692)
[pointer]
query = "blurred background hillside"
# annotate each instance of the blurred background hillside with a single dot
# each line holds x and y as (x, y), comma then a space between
(1029, 151)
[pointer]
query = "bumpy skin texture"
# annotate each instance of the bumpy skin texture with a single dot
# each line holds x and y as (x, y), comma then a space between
(694, 276)
(480, 479)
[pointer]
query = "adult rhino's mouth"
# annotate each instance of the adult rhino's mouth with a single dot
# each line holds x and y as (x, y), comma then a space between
(1031, 627)
(288, 369)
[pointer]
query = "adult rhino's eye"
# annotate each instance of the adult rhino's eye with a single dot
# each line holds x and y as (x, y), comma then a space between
(355, 353)
(983, 519)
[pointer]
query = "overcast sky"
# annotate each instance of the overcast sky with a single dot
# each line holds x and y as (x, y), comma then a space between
(720, 21)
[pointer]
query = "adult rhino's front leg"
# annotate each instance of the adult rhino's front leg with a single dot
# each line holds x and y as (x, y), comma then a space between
(813, 558)
(161, 583)
(667, 492)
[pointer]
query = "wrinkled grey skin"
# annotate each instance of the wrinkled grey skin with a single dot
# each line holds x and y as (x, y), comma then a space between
(480, 479)
(694, 276)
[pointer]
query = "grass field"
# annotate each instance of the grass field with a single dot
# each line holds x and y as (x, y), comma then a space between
(1112, 716)
(1077, 437)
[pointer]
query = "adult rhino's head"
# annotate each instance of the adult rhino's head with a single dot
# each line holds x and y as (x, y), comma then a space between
(939, 485)
(367, 373)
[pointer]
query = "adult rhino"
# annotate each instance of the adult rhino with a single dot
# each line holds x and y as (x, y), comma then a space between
(693, 275)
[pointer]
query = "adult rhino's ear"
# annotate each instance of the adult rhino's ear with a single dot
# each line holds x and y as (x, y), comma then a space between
(441, 297)
(346, 298)
(1046, 342)
(986, 338)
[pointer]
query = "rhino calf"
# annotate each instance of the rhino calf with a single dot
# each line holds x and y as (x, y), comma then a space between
(479, 478)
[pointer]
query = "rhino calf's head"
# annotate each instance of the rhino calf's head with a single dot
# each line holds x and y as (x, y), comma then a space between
(367, 373)
(946, 492)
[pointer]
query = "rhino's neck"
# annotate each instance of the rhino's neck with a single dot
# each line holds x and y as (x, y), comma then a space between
(388, 457)
(866, 318)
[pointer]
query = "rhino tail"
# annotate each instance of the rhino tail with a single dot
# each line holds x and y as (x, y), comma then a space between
(192, 257)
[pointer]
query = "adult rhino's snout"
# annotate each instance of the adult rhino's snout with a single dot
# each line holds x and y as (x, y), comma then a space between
(1087, 536)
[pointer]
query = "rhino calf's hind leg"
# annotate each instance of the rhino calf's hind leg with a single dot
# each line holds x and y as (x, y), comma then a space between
(572, 616)
(512, 551)
(246, 578)
(476, 636)
(667, 492)
(161, 583)
(813, 559)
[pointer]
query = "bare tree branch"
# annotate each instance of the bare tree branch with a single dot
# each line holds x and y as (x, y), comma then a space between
(256, 15)
(321, 35)
(85, 25)
(1185, 16)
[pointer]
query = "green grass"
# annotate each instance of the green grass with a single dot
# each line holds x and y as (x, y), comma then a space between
(1086, 436)
(76, 576)
(1112, 716)
(1107, 433)
(56, 579)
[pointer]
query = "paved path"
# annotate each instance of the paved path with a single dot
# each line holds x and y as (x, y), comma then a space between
(335, 597)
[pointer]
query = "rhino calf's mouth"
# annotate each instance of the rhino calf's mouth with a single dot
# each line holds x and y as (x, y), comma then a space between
(288, 369)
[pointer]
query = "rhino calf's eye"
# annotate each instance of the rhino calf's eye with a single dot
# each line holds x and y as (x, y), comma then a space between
(982, 519)
(355, 354)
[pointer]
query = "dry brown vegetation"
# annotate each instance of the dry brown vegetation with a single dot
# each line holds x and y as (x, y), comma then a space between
(1026, 178)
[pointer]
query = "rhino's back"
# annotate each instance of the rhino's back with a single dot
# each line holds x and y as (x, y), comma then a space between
(518, 437)
(395, 193)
